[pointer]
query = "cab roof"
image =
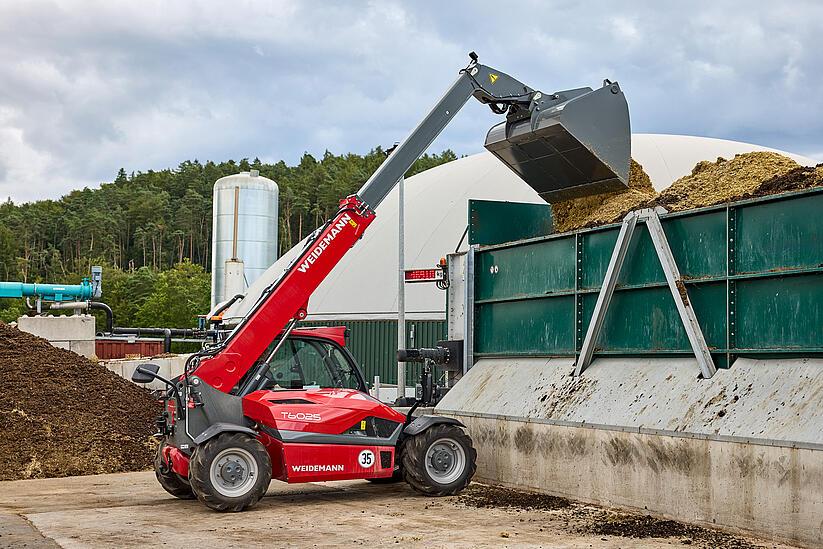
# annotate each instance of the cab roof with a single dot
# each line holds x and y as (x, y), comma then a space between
(333, 333)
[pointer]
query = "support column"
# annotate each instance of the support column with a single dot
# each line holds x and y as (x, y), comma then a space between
(401, 288)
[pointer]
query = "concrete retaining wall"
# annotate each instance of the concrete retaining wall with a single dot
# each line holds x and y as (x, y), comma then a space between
(75, 332)
(770, 491)
(742, 451)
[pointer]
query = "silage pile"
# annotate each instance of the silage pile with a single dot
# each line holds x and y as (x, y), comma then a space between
(63, 415)
(746, 175)
(724, 180)
(604, 208)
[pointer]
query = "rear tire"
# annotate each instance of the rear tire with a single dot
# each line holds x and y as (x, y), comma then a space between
(230, 472)
(440, 461)
(171, 482)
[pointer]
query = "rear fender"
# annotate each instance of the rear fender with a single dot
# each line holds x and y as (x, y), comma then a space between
(221, 427)
(422, 423)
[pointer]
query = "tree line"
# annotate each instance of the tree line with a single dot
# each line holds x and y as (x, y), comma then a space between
(152, 230)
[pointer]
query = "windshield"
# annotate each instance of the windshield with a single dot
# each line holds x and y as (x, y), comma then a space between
(308, 364)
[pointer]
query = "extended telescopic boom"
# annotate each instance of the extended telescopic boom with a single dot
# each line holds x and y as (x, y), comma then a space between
(285, 301)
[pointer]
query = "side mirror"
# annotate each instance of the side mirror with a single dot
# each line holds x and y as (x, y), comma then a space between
(145, 373)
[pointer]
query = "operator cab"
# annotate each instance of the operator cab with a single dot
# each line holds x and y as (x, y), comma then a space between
(304, 363)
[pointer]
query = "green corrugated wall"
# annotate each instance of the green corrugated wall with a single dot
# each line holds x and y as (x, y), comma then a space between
(374, 344)
(753, 269)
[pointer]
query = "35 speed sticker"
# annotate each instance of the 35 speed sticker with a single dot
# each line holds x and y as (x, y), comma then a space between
(366, 459)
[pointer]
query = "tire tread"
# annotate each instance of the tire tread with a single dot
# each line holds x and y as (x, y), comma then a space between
(199, 472)
(414, 453)
(171, 482)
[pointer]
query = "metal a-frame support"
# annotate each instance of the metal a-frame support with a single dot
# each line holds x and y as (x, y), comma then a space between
(675, 282)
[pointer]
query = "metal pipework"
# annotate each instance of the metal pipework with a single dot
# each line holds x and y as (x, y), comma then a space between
(176, 332)
(89, 288)
(438, 355)
(48, 292)
(166, 333)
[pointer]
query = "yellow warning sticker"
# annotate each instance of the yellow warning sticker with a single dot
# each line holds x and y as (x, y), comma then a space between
(363, 425)
(493, 77)
(352, 223)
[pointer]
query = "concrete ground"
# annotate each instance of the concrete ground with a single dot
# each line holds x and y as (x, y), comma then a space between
(131, 510)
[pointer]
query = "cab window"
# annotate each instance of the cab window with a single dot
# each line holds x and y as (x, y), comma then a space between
(306, 363)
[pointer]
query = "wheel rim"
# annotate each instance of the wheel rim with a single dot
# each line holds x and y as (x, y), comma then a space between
(445, 460)
(233, 472)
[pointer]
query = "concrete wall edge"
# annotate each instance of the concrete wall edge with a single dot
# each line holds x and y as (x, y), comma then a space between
(639, 430)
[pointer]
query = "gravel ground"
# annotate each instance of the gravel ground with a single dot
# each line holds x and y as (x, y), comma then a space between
(131, 510)
(589, 520)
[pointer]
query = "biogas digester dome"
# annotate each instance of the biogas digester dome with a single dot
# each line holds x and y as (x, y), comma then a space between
(244, 228)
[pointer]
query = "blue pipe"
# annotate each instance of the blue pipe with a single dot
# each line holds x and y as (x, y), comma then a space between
(48, 292)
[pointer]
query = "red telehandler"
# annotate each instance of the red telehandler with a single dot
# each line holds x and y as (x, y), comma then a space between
(271, 400)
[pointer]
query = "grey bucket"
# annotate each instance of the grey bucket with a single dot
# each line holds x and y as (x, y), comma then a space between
(576, 143)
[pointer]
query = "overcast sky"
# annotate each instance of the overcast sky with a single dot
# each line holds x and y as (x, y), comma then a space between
(90, 87)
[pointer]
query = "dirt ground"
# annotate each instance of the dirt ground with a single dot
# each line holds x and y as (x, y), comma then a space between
(131, 510)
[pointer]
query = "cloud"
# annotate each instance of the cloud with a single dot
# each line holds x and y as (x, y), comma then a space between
(144, 85)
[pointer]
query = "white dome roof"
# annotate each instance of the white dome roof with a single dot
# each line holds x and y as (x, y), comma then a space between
(364, 284)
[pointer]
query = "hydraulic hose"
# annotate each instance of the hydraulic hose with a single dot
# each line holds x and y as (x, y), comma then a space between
(228, 304)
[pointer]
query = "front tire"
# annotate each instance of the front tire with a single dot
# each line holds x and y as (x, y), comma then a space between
(440, 461)
(230, 472)
(171, 482)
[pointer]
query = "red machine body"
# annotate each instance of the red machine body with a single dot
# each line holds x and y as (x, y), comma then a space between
(325, 411)
(297, 415)
(286, 420)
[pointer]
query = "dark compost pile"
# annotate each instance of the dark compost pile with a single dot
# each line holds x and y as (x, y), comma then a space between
(62, 414)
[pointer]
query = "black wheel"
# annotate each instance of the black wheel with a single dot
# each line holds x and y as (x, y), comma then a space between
(440, 461)
(171, 482)
(230, 472)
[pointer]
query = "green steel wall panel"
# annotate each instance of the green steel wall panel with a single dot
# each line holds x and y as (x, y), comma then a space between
(495, 222)
(525, 327)
(374, 344)
(597, 249)
(530, 270)
(780, 313)
(698, 245)
(781, 235)
(753, 270)
(646, 320)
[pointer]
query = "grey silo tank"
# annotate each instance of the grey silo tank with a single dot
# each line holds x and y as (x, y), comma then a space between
(254, 199)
